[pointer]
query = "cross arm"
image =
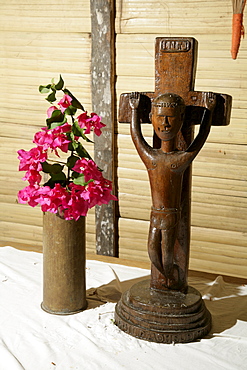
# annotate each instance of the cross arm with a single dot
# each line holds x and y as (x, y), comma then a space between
(194, 108)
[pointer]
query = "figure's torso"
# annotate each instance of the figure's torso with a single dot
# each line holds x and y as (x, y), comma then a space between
(165, 172)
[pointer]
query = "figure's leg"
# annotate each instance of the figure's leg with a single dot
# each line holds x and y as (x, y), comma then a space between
(154, 248)
(168, 245)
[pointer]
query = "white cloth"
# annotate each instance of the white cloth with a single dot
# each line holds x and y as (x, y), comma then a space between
(32, 339)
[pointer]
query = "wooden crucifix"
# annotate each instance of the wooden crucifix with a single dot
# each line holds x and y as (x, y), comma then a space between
(174, 109)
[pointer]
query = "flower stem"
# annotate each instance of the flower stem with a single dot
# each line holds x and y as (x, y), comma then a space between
(72, 151)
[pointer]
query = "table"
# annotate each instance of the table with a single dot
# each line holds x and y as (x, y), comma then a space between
(33, 339)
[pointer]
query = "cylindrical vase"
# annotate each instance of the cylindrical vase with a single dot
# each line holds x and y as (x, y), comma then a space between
(64, 259)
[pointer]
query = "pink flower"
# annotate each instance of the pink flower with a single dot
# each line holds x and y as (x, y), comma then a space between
(78, 208)
(88, 168)
(32, 159)
(83, 122)
(51, 110)
(52, 199)
(29, 195)
(66, 127)
(78, 203)
(90, 123)
(43, 138)
(53, 138)
(96, 123)
(73, 199)
(33, 177)
(65, 102)
(100, 192)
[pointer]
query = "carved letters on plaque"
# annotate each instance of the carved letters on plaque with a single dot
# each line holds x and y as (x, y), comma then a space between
(173, 46)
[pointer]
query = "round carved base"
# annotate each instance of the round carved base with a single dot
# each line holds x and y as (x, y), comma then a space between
(162, 316)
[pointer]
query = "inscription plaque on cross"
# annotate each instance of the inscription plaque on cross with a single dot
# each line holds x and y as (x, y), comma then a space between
(165, 309)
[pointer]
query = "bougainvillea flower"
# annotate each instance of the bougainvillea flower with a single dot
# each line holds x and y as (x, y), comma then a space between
(53, 138)
(52, 200)
(66, 127)
(78, 203)
(29, 195)
(88, 168)
(92, 123)
(65, 102)
(43, 138)
(68, 195)
(33, 177)
(96, 123)
(32, 159)
(100, 192)
(83, 122)
(51, 110)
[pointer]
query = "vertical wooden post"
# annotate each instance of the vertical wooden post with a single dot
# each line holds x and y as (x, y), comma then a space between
(104, 104)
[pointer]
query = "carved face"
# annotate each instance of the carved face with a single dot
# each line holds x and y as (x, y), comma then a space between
(167, 115)
(167, 122)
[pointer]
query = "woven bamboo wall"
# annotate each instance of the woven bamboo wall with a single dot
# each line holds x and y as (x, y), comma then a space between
(39, 41)
(219, 193)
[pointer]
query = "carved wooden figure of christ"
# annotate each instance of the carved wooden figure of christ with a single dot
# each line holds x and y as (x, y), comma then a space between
(164, 308)
(166, 167)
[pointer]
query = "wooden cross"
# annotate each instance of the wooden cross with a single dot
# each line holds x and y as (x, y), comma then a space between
(175, 67)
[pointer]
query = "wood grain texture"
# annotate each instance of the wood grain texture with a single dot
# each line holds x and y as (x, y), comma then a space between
(103, 102)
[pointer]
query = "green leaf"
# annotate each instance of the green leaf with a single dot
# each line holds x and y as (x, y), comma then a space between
(77, 104)
(76, 174)
(71, 146)
(51, 97)
(71, 161)
(57, 177)
(55, 168)
(58, 117)
(44, 89)
(52, 181)
(70, 135)
(46, 167)
(77, 130)
(80, 180)
(60, 84)
(71, 111)
(56, 124)
(75, 145)
(82, 152)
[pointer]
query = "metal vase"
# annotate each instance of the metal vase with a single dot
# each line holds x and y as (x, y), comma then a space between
(64, 288)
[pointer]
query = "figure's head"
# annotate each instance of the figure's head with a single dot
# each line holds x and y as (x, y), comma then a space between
(167, 115)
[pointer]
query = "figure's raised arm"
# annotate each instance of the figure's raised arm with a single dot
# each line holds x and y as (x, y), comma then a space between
(141, 145)
(197, 144)
(134, 100)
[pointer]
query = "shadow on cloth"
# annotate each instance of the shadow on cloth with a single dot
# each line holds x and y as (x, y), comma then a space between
(110, 292)
(226, 302)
